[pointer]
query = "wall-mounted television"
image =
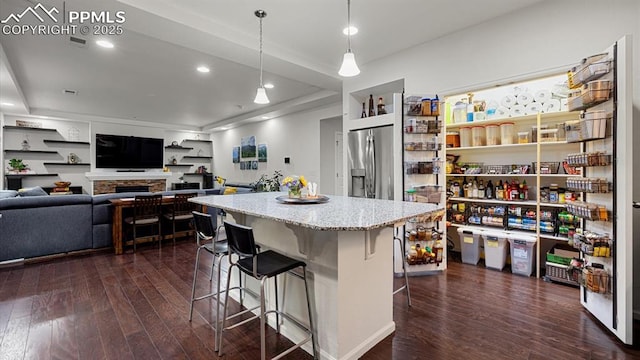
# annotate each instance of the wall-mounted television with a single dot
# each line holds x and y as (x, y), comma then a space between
(128, 152)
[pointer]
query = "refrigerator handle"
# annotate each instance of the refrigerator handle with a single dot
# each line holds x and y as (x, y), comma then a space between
(370, 167)
(636, 204)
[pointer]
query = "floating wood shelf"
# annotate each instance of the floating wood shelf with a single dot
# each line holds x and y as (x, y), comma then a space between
(31, 151)
(178, 147)
(66, 142)
(179, 164)
(70, 164)
(196, 157)
(12, 127)
(29, 175)
(203, 141)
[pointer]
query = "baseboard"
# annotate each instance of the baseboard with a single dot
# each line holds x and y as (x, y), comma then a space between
(369, 343)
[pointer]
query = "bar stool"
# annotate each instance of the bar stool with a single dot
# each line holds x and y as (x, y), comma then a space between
(219, 249)
(262, 266)
(403, 255)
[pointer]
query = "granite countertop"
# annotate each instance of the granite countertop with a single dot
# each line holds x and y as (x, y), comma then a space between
(340, 213)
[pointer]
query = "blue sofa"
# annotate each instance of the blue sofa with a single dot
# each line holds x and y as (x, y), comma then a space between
(44, 225)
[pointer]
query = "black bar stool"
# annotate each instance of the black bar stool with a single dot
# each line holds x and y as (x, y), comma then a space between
(207, 241)
(262, 266)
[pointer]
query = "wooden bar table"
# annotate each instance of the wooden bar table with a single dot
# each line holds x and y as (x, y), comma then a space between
(116, 228)
(347, 244)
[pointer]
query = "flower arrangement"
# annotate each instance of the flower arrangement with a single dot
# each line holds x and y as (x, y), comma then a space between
(295, 185)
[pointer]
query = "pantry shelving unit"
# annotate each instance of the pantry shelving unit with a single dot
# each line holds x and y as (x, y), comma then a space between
(423, 181)
(533, 154)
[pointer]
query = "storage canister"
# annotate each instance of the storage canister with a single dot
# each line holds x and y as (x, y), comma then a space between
(493, 135)
(523, 137)
(426, 106)
(507, 133)
(465, 136)
(453, 139)
(478, 136)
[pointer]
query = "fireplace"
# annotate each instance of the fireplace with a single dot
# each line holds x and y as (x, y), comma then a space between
(111, 182)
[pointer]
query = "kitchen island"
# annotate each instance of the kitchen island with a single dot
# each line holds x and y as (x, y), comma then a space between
(347, 244)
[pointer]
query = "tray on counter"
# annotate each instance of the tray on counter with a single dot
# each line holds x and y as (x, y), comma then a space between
(285, 199)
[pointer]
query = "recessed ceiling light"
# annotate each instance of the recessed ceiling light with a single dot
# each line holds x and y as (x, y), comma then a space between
(224, 128)
(105, 44)
(354, 30)
(268, 86)
(265, 118)
(7, 104)
(203, 69)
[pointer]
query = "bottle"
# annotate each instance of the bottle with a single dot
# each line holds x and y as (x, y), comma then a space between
(470, 109)
(481, 190)
(381, 109)
(439, 251)
(515, 193)
(506, 194)
(364, 112)
(499, 191)
(435, 106)
(371, 108)
(524, 191)
(474, 189)
(489, 190)
(463, 188)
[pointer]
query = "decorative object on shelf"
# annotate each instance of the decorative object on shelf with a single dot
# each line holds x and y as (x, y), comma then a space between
(201, 169)
(349, 66)
(174, 143)
(29, 124)
(173, 160)
(73, 158)
(73, 134)
(236, 154)
(25, 143)
(248, 147)
(16, 166)
(294, 184)
(61, 188)
(262, 152)
(261, 93)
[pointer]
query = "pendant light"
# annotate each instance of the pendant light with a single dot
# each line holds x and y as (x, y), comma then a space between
(261, 94)
(349, 66)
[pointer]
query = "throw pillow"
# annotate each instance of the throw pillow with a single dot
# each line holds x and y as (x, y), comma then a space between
(33, 191)
(230, 190)
(5, 194)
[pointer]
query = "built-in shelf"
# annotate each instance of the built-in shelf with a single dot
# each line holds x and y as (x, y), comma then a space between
(196, 157)
(47, 141)
(553, 237)
(493, 201)
(513, 232)
(179, 164)
(29, 175)
(195, 174)
(493, 147)
(69, 164)
(515, 175)
(173, 147)
(194, 140)
(12, 127)
(31, 151)
(545, 117)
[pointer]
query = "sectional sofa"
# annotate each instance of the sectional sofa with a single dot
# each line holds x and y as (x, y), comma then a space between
(37, 226)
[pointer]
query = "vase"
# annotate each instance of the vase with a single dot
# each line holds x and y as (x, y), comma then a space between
(295, 192)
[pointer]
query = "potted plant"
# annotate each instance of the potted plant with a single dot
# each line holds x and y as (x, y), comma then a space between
(17, 166)
(266, 183)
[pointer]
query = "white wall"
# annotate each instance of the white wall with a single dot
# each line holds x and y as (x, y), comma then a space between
(328, 129)
(296, 136)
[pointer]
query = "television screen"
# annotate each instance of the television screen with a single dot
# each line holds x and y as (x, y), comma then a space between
(128, 152)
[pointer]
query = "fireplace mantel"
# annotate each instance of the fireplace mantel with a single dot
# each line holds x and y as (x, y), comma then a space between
(147, 175)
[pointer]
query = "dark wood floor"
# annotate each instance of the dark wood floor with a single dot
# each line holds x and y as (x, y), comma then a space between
(103, 306)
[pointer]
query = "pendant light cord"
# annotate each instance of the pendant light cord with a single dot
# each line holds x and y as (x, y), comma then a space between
(349, 25)
(261, 52)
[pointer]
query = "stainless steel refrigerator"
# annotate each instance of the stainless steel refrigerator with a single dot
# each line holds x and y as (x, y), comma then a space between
(371, 163)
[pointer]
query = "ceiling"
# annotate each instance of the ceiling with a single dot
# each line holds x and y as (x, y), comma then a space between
(150, 73)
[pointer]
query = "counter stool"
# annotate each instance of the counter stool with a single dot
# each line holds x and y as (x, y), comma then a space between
(262, 266)
(403, 255)
(219, 249)
(146, 213)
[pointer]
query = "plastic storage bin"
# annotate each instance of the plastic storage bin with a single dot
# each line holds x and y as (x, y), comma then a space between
(470, 244)
(507, 133)
(493, 135)
(495, 249)
(465, 136)
(522, 253)
(478, 136)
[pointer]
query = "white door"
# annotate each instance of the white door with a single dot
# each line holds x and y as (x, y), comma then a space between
(339, 151)
(615, 310)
